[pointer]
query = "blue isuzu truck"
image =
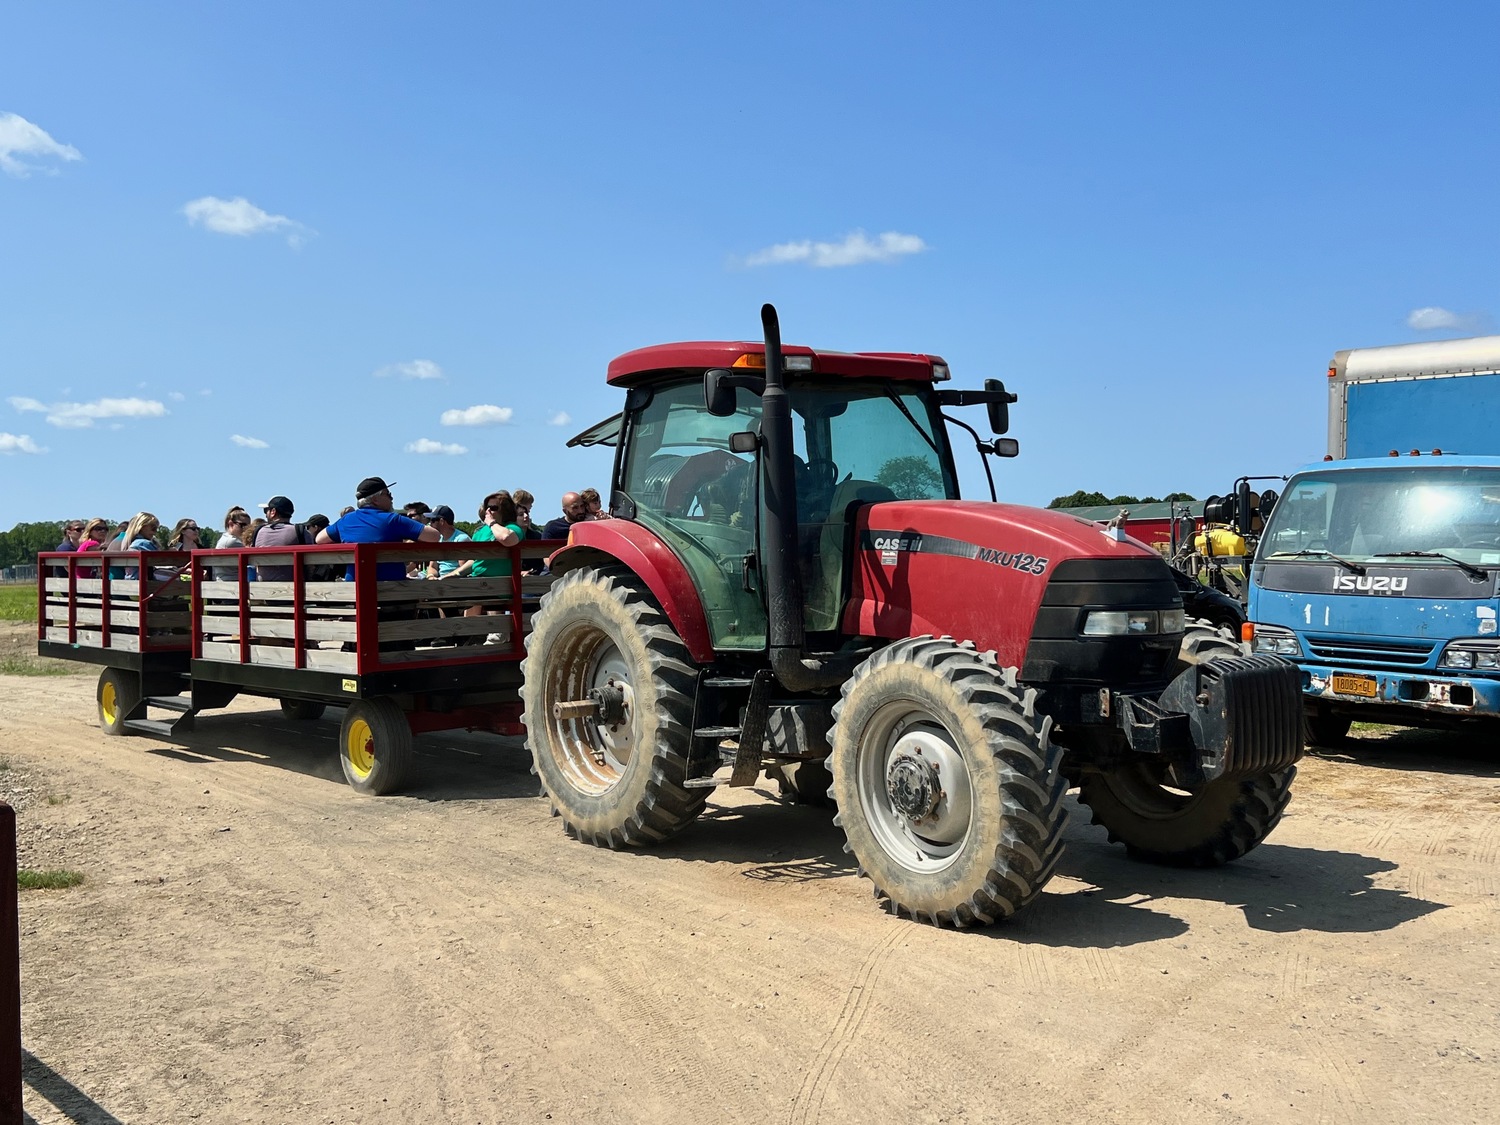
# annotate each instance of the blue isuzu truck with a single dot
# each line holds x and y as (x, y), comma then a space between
(1377, 571)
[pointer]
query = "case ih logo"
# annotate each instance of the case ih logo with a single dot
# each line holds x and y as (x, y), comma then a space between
(891, 544)
(1365, 584)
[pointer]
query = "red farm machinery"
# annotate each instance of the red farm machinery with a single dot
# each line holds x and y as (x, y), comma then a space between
(792, 586)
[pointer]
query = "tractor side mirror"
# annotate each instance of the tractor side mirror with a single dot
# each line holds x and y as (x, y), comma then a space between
(746, 441)
(1006, 446)
(719, 384)
(999, 408)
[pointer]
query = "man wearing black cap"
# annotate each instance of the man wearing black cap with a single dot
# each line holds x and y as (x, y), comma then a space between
(448, 532)
(279, 531)
(373, 521)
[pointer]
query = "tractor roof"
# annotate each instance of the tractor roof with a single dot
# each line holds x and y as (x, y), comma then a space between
(693, 357)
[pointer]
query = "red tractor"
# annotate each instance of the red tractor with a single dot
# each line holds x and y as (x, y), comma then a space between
(791, 583)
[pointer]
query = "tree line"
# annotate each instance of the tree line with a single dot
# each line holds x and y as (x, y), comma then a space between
(1082, 499)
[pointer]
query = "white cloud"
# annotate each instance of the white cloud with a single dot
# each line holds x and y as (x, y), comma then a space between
(1432, 317)
(176, 396)
(238, 216)
(483, 415)
(427, 445)
(205, 393)
(856, 249)
(416, 369)
(561, 418)
(19, 137)
(249, 442)
(82, 415)
(19, 443)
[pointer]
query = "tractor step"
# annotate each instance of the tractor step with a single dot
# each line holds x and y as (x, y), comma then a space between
(741, 683)
(717, 732)
(704, 782)
(151, 726)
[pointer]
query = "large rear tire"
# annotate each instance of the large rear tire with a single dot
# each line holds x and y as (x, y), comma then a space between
(1214, 823)
(119, 697)
(375, 747)
(615, 781)
(949, 789)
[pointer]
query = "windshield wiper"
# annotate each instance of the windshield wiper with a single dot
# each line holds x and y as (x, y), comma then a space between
(901, 406)
(1354, 566)
(1468, 568)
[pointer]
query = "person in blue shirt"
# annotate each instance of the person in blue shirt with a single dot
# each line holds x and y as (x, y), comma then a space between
(374, 521)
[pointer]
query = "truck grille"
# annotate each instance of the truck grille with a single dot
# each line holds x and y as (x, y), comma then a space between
(1395, 653)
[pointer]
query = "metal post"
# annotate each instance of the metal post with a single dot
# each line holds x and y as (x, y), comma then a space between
(10, 972)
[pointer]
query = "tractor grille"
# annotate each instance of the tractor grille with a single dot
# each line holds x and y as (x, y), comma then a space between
(1396, 654)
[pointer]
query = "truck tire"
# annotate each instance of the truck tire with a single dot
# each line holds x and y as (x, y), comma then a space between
(614, 783)
(949, 788)
(1212, 824)
(303, 710)
(119, 696)
(1322, 729)
(801, 729)
(375, 747)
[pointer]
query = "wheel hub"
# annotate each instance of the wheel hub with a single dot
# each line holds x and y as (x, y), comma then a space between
(913, 785)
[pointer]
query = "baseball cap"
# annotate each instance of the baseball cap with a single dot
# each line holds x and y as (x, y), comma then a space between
(443, 512)
(278, 504)
(370, 486)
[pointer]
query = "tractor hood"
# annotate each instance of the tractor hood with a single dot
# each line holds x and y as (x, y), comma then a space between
(972, 569)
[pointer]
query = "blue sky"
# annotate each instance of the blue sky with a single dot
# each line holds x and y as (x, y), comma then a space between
(249, 249)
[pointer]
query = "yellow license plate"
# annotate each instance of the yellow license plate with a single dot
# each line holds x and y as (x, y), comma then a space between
(1355, 685)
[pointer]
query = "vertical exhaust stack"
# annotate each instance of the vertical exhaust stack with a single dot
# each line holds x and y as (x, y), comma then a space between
(785, 609)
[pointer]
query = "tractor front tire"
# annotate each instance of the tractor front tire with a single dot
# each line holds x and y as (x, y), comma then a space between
(1210, 824)
(801, 729)
(119, 697)
(948, 785)
(375, 747)
(617, 779)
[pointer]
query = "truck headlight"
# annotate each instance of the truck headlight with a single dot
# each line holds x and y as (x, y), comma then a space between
(1275, 641)
(1131, 622)
(1482, 655)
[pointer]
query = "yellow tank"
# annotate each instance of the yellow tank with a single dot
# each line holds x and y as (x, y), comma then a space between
(1222, 540)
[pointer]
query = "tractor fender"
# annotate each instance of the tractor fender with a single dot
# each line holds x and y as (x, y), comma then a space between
(626, 542)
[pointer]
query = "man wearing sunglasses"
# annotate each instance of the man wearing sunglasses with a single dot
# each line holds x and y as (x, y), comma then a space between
(374, 520)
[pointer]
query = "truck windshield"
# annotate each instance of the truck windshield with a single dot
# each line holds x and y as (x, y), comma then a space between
(1363, 514)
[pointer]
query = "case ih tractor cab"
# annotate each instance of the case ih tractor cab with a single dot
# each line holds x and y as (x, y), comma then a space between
(791, 583)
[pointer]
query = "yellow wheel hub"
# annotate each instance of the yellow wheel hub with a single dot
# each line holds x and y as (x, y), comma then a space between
(108, 704)
(359, 748)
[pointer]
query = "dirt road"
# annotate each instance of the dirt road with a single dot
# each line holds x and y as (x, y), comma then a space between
(255, 943)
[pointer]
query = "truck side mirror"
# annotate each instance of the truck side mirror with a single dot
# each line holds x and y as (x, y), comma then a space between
(999, 408)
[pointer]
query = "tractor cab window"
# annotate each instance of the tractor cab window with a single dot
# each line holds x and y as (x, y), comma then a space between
(689, 488)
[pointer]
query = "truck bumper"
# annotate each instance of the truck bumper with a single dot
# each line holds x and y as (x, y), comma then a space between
(1420, 690)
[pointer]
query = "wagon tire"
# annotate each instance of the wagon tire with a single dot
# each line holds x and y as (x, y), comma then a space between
(616, 780)
(119, 699)
(949, 787)
(303, 710)
(375, 747)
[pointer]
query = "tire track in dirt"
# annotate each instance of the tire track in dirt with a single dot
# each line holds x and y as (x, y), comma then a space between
(807, 1106)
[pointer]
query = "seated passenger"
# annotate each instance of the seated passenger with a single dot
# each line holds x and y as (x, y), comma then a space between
(279, 531)
(140, 535)
(374, 521)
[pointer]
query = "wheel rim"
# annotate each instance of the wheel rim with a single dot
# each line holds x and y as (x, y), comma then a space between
(1144, 791)
(109, 703)
(914, 786)
(592, 754)
(359, 748)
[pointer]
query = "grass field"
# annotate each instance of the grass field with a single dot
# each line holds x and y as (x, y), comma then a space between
(18, 603)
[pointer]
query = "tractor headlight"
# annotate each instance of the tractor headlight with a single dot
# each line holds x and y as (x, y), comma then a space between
(1131, 622)
(1480, 655)
(1274, 641)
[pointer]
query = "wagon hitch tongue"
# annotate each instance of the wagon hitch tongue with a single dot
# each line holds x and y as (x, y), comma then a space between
(1235, 716)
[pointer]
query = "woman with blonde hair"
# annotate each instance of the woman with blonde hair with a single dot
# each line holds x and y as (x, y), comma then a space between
(185, 536)
(140, 535)
(95, 532)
